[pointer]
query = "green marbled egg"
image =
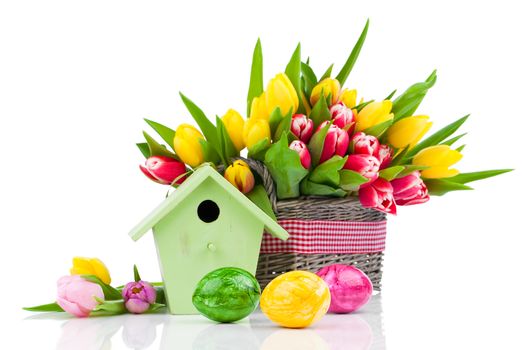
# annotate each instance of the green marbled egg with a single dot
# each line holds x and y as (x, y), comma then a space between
(227, 294)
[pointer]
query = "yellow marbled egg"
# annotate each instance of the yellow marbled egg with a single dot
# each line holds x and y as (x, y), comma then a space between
(295, 299)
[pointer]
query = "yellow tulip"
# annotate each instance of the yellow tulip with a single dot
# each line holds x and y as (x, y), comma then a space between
(281, 93)
(438, 158)
(373, 114)
(90, 266)
(235, 127)
(240, 176)
(259, 108)
(327, 86)
(348, 98)
(187, 145)
(408, 131)
(256, 130)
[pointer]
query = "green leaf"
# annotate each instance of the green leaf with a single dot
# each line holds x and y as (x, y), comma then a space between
(108, 308)
(285, 168)
(459, 149)
(156, 149)
(310, 79)
(439, 187)
(160, 292)
(407, 103)
(348, 66)
(51, 307)
(351, 180)
(391, 172)
(210, 153)
(409, 168)
(437, 137)
(316, 144)
(390, 96)
(154, 308)
(327, 173)
(258, 150)
(327, 73)
(258, 195)
(165, 133)
(320, 112)
(283, 127)
(451, 141)
(256, 80)
(136, 274)
(361, 106)
(227, 147)
(110, 293)
(293, 69)
(477, 175)
(310, 188)
(379, 129)
(144, 148)
(275, 119)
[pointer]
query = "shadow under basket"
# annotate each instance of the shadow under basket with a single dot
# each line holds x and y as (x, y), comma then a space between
(322, 231)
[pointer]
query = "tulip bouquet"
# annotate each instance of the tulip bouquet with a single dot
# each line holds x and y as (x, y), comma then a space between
(317, 138)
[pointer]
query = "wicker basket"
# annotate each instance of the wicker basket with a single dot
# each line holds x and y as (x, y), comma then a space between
(319, 210)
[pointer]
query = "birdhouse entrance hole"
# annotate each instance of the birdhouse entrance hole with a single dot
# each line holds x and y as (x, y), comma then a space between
(208, 211)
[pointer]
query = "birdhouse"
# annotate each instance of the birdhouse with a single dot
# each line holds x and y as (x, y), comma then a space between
(205, 224)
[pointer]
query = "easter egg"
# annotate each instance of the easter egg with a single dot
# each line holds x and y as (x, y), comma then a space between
(295, 299)
(350, 288)
(227, 294)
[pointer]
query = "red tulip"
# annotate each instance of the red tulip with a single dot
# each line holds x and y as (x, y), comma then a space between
(343, 117)
(302, 127)
(384, 154)
(364, 144)
(335, 143)
(410, 189)
(301, 148)
(364, 164)
(164, 170)
(378, 195)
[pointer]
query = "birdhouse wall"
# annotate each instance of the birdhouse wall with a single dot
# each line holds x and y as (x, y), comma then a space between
(188, 248)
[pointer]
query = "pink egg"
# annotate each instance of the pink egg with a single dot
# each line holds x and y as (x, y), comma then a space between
(350, 288)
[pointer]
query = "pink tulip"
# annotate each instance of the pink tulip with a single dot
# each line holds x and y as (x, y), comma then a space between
(335, 143)
(384, 154)
(301, 148)
(138, 296)
(410, 189)
(302, 127)
(378, 195)
(343, 117)
(77, 296)
(364, 144)
(164, 170)
(364, 164)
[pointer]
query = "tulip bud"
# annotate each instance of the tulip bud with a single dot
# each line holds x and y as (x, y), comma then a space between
(378, 195)
(384, 154)
(90, 266)
(410, 189)
(335, 143)
(255, 130)
(138, 296)
(259, 108)
(281, 93)
(438, 158)
(327, 87)
(234, 126)
(348, 98)
(302, 127)
(187, 145)
(164, 170)
(407, 132)
(373, 114)
(77, 296)
(364, 164)
(343, 117)
(301, 148)
(240, 176)
(364, 144)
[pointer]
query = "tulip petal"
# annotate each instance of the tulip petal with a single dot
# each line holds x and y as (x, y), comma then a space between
(368, 197)
(137, 306)
(72, 308)
(437, 172)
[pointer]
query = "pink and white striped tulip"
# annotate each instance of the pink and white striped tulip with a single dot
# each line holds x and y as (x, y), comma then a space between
(164, 170)
(364, 164)
(343, 117)
(364, 144)
(378, 195)
(410, 189)
(384, 154)
(301, 148)
(302, 127)
(335, 143)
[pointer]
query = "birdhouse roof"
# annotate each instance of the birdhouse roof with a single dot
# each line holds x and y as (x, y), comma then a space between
(184, 191)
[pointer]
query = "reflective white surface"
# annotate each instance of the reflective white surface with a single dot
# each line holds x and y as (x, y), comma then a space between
(359, 331)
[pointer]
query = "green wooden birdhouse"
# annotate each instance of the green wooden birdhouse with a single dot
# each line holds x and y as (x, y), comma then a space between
(204, 225)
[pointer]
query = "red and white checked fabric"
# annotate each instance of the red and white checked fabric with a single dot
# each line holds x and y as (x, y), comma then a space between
(327, 237)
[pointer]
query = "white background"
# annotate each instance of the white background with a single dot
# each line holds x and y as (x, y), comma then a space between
(77, 77)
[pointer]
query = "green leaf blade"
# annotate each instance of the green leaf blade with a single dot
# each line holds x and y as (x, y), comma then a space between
(475, 176)
(407, 103)
(51, 307)
(256, 80)
(166, 133)
(258, 195)
(350, 62)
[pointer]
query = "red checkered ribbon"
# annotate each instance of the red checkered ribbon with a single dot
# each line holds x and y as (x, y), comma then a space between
(328, 237)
